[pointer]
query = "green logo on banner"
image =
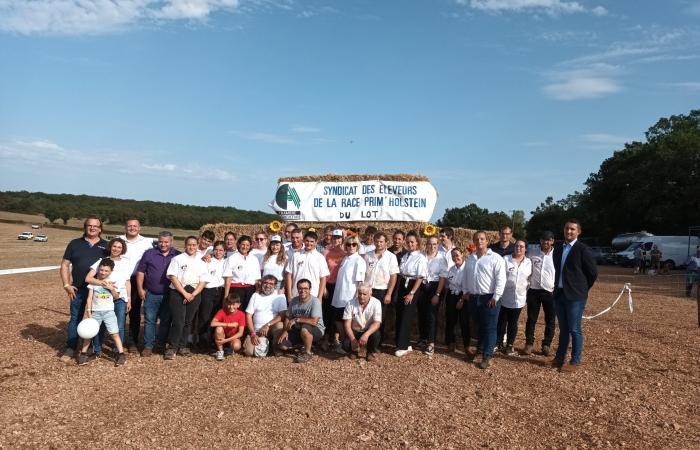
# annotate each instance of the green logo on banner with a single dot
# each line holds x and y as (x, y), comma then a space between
(286, 193)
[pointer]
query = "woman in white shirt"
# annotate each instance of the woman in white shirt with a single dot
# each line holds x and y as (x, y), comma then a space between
(351, 273)
(188, 276)
(212, 294)
(456, 311)
(429, 303)
(412, 271)
(242, 272)
(518, 271)
(230, 243)
(274, 261)
(120, 277)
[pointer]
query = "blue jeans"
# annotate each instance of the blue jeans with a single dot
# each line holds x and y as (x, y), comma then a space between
(690, 278)
(155, 306)
(488, 320)
(120, 312)
(569, 313)
(77, 310)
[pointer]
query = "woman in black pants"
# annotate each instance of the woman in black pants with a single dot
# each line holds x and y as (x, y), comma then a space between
(456, 309)
(188, 276)
(429, 304)
(242, 272)
(412, 271)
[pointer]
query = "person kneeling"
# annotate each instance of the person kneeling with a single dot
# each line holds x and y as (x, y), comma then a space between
(228, 324)
(100, 306)
(304, 322)
(362, 319)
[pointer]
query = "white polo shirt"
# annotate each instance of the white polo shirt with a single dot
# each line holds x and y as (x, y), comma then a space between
(136, 248)
(189, 270)
(543, 274)
(264, 308)
(270, 267)
(413, 265)
(351, 271)
(455, 278)
(363, 318)
(437, 267)
(207, 251)
(215, 271)
(485, 275)
(310, 265)
(380, 269)
(242, 269)
(517, 282)
(260, 254)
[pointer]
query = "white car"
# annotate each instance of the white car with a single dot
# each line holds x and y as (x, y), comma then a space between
(41, 238)
(25, 236)
(35, 226)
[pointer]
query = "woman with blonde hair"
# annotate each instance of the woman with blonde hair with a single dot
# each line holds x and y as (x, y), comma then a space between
(274, 260)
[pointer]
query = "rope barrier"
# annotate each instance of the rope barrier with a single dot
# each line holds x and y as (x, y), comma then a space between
(627, 287)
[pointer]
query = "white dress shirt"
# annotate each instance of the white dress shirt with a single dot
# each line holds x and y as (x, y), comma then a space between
(363, 318)
(380, 269)
(517, 282)
(437, 267)
(543, 274)
(455, 278)
(413, 265)
(485, 275)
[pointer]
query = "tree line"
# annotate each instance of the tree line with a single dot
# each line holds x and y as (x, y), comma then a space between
(652, 186)
(114, 210)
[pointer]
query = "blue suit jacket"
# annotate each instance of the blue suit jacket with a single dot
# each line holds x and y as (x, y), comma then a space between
(580, 271)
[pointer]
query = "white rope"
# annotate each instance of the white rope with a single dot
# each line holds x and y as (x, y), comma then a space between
(27, 270)
(627, 287)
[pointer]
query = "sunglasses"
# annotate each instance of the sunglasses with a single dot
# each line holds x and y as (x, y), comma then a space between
(351, 245)
(259, 239)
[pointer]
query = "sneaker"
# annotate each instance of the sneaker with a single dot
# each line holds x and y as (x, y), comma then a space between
(121, 359)
(569, 368)
(510, 351)
(68, 355)
(485, 363)
(146, 352)
(429, 349)
(421, 345)
(371, 357)
(184, 351)
(219, 355)
(528, 349)
(83, 359)
(546, 350)
(556, 363)
(405, 352)
(303, 357)
(469, 356)
(169, 354)
(340, 350)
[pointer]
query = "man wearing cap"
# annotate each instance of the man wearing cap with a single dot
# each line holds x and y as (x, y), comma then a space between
(575, 273)
(540, 294)
(334, 254)
(504, 246)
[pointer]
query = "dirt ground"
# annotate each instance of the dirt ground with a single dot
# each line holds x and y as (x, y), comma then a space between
(639, 386)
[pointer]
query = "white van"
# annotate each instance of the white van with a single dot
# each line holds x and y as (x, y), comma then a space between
(674, 249)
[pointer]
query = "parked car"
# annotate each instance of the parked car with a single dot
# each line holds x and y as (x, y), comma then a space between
(36, 226)
(41, 238)
(603, 255)
(674, 250)
(25, 236)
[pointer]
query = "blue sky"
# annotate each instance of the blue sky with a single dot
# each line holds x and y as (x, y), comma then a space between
(208, 102)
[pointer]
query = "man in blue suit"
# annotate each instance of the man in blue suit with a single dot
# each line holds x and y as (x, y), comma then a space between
(575, 273)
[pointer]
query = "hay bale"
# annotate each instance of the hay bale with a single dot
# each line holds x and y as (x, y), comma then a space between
(463, 236)
(353, 178)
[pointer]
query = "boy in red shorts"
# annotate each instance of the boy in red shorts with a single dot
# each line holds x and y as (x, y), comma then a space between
(229, 325)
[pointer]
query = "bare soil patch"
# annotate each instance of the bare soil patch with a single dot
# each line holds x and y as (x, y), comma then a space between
(639, 386)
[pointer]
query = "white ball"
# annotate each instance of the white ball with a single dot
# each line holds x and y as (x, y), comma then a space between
(88, 328)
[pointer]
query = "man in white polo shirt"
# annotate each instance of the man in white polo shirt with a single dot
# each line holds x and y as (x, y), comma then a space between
(362, 319)
(265, 316)
(382, 273)
(136, 246)
(307, 264)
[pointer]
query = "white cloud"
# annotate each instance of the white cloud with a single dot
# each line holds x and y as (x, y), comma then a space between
(268, 138)
(594, 81)
(303, 129)
(551, 7)
(99, 16)
(44, 154)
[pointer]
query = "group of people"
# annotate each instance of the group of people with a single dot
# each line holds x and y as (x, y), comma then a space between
(648, 260)
(270, 294)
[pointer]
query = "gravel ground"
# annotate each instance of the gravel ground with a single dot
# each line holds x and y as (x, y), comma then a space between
(639, 388)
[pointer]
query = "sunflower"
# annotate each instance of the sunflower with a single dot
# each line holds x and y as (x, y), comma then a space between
(429, 230)
(312, 229)
(275, 226)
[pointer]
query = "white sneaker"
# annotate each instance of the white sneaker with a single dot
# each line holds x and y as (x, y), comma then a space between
(219, 355)
(401, 353)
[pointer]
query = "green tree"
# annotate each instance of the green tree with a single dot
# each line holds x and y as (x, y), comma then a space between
(472, 216)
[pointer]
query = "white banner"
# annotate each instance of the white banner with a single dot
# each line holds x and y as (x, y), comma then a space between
(412, 201)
